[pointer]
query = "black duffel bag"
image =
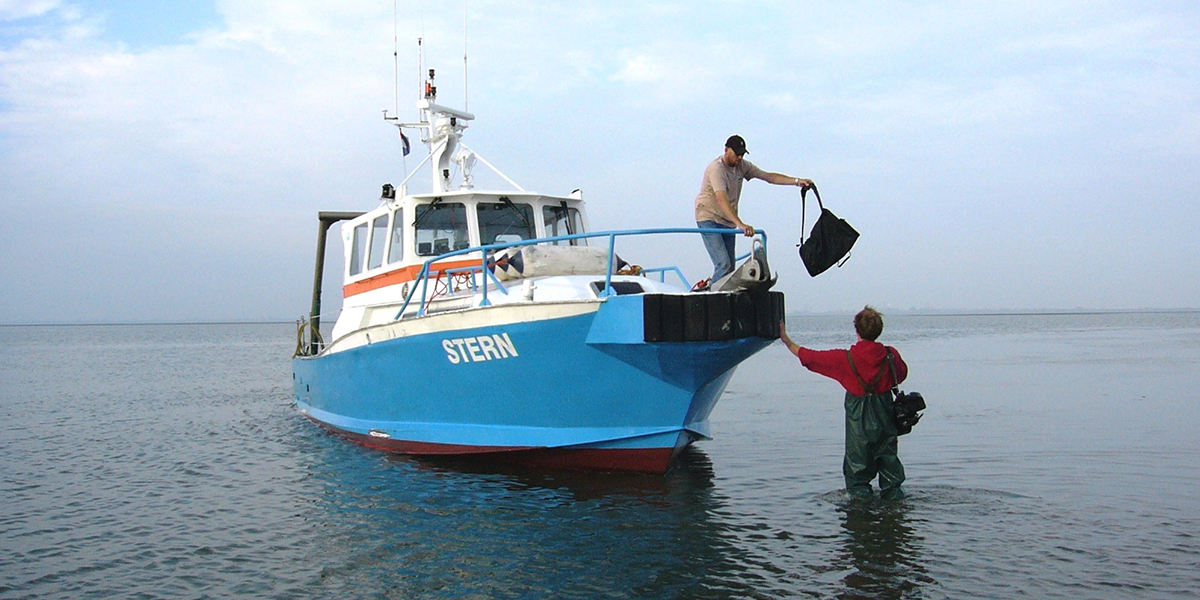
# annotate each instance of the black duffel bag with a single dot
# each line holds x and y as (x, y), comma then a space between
(831, 239)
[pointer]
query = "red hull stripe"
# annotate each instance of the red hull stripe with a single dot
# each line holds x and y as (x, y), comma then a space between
(638, 460)
(400, 275)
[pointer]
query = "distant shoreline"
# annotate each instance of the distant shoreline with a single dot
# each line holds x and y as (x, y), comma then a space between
(147, 323)
(930, 312)
(886, 311)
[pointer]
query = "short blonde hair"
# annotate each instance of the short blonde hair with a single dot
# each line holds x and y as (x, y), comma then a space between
(868, 323)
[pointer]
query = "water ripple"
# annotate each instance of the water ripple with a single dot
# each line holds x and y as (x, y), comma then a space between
(167, 462)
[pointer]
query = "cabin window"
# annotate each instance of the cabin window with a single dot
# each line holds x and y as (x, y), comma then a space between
(441, 227)
(562, 220)
(396, 249)
(358, 248)
(378, 241)
(503, 222)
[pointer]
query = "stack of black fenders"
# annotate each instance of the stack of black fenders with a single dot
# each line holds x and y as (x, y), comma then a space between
(712, 317)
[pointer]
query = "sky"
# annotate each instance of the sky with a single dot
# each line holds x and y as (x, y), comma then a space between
(165, 161)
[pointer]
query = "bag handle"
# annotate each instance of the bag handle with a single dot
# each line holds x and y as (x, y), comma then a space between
(803, 197)
(804, 191)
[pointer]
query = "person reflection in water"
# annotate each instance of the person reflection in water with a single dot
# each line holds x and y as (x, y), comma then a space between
(881, 552)
(870, 424)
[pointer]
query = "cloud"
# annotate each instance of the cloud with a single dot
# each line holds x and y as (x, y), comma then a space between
(1122, 37)
(185, 106)
(12, 10)
(672, 72)
(921, 119)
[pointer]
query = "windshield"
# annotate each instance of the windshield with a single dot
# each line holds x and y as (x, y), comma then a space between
(441, 227)
(505, 221)
(562, 220)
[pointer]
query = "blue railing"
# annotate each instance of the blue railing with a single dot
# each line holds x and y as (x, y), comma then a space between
(428, 271)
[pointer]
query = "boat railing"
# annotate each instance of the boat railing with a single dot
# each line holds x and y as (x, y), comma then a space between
(430, 270)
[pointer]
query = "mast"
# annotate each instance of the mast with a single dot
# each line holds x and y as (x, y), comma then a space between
(445, 126)
(441, 130)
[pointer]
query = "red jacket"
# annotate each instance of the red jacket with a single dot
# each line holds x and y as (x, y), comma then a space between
(869, 358)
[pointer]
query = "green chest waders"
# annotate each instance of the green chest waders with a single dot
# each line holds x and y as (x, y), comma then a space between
(871, 441)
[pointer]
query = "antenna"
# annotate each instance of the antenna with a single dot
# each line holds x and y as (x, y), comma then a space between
(466, 106)
(421, 61)
(396, 53)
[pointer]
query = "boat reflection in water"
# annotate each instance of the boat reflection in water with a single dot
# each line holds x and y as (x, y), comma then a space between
(454, 528)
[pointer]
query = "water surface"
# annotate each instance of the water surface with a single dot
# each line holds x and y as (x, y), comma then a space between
(1057, 460)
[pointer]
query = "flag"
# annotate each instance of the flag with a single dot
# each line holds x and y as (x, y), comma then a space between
(404, 143)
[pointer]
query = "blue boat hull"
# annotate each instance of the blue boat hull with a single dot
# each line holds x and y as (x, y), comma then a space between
(581, 391)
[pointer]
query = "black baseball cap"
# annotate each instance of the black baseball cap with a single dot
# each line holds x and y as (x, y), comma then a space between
(737, 144)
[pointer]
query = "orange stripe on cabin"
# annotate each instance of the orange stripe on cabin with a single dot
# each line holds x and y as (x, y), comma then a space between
(400, 275)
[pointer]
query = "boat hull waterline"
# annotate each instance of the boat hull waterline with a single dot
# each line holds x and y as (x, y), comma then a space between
(582, 391)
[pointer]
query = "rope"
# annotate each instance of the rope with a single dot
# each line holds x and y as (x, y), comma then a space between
(313, 334)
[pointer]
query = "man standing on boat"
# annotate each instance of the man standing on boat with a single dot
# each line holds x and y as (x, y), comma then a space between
(717, 202)
(870, 423)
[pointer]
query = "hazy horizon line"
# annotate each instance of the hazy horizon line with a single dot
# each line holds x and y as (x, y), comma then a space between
(923, 312)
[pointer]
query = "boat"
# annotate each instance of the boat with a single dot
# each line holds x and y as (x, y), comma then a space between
(496, 324)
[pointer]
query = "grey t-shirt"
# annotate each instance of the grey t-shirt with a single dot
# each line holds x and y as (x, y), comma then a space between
(717, 176)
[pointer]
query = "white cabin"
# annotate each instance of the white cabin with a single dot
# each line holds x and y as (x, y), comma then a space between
(386, 248)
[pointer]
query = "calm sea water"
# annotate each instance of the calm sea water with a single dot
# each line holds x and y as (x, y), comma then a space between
(1059, 458)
